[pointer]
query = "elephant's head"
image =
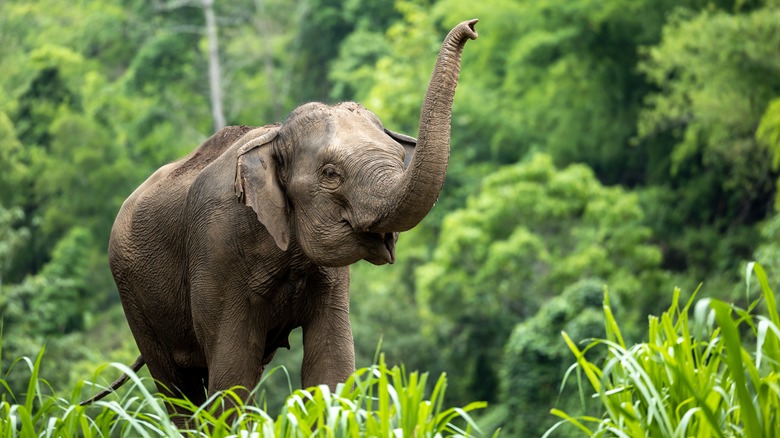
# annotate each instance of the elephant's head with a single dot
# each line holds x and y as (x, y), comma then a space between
(343, 184)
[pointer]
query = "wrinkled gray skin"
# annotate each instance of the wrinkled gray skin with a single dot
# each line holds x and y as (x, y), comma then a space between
(218, 256)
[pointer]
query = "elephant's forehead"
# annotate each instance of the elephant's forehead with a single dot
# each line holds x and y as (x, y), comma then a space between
(355, 117)
(361, 137)
(353, 108)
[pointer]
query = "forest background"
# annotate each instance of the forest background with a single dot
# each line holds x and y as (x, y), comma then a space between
(632, 144)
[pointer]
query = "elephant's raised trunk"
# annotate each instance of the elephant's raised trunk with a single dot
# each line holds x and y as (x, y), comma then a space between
(418, 187)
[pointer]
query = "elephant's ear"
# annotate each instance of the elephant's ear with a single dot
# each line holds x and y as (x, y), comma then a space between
(257, 184)
(406, 141)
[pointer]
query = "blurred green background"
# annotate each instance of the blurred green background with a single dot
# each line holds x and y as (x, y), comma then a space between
(632, 144)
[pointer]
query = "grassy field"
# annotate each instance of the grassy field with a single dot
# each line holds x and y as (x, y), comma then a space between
(707, 369)
(375, 401)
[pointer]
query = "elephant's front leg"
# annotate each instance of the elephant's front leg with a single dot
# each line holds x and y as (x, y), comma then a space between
(328, 348)
(233, 339)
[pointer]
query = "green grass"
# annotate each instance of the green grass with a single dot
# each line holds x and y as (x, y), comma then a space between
(708, 369)
(375, 401)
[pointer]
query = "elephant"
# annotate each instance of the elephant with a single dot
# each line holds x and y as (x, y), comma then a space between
(219, 255)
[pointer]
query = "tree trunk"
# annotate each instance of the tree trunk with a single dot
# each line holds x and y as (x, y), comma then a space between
(215, 77)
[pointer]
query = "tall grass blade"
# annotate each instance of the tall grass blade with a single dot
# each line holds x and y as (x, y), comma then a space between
(611, 326)
(736, 366)
(33, 387)
(586, 366)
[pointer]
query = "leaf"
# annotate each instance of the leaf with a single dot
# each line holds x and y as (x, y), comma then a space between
(734, 359)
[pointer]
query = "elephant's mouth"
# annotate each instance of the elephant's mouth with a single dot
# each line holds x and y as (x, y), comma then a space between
(389, 241)
(381, 247)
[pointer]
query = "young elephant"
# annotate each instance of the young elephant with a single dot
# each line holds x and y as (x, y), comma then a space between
(218, 256)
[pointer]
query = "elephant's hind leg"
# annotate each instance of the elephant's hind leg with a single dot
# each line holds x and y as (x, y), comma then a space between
(192, 384)
(185, 388)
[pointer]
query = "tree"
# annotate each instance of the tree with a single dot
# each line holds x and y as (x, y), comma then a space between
(717, 74)
(9, 160)
(215, 76)
(536, 360)
(11, 238)
(560, 77)
(529, 233)
(50, 306)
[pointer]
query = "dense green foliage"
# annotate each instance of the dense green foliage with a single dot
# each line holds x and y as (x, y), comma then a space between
(529, 233)
(632, 144)
(535, 358)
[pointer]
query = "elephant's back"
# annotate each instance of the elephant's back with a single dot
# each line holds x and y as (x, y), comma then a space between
(147, 238)
(210, 150)
(155, 207)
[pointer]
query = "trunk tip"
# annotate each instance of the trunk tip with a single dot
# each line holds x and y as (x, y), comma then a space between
(468, 26)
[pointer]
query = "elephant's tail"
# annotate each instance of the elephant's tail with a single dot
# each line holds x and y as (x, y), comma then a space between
(137, 365)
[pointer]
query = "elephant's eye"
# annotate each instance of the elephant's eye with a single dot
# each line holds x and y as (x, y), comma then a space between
(330, 172)
(331, 179)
